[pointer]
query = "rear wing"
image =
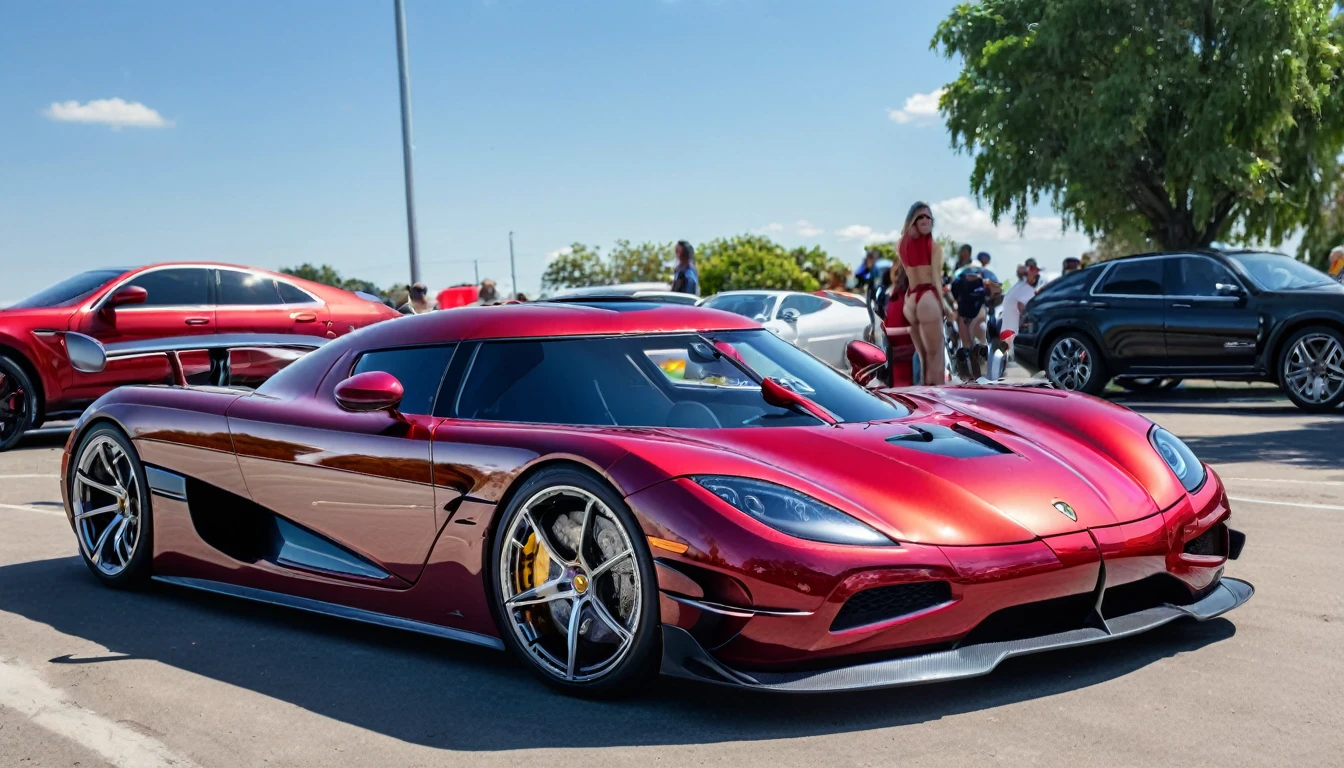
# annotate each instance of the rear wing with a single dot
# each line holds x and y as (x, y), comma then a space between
(88, 355)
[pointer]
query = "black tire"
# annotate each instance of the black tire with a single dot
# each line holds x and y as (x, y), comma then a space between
(641, 659)
(134, 572)
(1088, 374)
(1148, 384)
(1316, 337)
(19, 402)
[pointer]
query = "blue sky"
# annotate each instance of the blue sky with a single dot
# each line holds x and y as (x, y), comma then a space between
(267, 133)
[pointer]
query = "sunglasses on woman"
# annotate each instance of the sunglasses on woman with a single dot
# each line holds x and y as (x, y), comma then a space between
(923, 216)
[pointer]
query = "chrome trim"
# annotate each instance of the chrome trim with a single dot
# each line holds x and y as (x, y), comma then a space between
(207, 341)
(86, 353)
(303, 549)
(332, 609)
(167, 484)
(684, 657)
(729, 610)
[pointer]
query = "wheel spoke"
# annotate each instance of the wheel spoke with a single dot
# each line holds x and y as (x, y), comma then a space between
(544, 537)
(119, 539)
(585, 530)
(609, 564)
(97, 552)
(600, 609)
(542, 593)
(575, 613)
(98, 511)
(91, 483)
(106, 461)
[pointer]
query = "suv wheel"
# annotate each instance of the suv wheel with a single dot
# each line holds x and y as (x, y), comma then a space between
(1072, 363)
(1311, 368)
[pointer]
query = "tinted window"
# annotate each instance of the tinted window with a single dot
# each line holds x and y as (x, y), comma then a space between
(756, 306)
(419, 369)
(187, 287)
(1276, 272)
(246, 289)
(1196, 276)
(805, 304)
(293, 295)
(655, 381)
(69, 290)
(1142, 277)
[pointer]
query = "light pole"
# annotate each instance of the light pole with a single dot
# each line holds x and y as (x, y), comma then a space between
(404, 73)
(513, 269)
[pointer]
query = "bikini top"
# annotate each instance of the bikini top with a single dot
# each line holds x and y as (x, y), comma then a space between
(916, 251)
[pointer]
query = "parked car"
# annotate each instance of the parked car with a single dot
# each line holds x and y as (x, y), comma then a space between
(610, 492)
(37, 383)
(659, 292)
(1242, 315)
(822, 325)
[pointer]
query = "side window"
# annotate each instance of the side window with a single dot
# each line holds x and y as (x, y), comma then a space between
(186, 287)
(246, 289)
(1140, 277)
(804, 303)
(419, 369)
(1196, 276)
(293, 295)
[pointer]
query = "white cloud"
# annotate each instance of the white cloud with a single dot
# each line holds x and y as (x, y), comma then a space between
(558, 252)
(921, 109)
(773, 228)
(806, 229)
(1043, 237)
(867, 234)
(115, 112)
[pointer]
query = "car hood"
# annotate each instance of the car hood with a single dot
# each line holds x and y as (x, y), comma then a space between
(54, 318)
(940, 477)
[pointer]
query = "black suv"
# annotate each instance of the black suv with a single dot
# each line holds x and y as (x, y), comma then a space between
(1245, 315)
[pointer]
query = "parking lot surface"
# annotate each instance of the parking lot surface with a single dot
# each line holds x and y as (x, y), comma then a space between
(91, 676)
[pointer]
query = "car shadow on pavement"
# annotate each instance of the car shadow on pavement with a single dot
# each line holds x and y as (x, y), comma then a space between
(43, 438)
(453, 696)
(1315, 445)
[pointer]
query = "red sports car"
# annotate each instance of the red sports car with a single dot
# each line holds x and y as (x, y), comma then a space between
(165, 300)
(615, 487)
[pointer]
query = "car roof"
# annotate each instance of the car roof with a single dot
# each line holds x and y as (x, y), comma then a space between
(544, 320)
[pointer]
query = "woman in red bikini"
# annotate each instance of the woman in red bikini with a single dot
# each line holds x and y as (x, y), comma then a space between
(922, 259)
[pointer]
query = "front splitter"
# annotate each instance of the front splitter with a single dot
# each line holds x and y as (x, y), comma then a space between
(684, 657)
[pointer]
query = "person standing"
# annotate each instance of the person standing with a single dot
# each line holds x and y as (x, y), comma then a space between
(487, 294)
(920, 258)
(1072, 264)
(1337, 263)
(684, 278)
(1016, 300)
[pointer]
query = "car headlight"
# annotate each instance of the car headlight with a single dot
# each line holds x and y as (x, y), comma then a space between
(1179, 457)
(792, 512)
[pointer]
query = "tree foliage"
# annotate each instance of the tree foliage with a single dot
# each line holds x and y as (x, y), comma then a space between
(750, 261)
(829, 272)
(327, 275)
(1326, 234)
(1188, 121)
(643, 263)
(581, 267)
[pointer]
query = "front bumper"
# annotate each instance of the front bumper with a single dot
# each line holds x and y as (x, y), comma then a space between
(684, 657)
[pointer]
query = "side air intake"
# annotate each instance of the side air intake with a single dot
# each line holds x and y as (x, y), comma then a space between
(885, 603)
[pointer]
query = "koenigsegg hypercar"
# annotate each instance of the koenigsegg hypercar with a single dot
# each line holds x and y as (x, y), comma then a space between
(613, 488)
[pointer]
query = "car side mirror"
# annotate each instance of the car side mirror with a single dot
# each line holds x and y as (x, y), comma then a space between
(790, 315)
(865, 361)
(780, 396)
(86, 354)
(370, 391)
(130, 294)
(1229, 289)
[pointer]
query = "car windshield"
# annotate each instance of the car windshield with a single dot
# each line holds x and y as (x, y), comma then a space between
(681, 381)
(69, 290)
(756, 306)
(1276, 272)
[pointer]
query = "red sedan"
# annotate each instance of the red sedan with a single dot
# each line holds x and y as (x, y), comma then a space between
(165, 300)
(614, 487)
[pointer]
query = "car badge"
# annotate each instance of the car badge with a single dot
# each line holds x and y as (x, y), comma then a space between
(1066, 510)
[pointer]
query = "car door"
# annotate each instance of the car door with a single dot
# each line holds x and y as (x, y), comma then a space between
(1127, 306)
(254, 302)
(1208, 327)
(362, 480)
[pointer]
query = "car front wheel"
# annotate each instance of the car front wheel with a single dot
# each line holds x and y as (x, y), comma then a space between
(110, 498)
(1072, 363)
(1311, 369)
(18, 403)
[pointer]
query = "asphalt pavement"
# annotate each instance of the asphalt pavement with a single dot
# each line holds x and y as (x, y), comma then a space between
(93, 677)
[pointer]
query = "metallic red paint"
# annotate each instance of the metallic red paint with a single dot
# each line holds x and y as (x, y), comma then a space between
(418, 495)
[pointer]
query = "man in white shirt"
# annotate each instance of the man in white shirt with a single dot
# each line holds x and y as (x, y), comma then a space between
(1015, 301)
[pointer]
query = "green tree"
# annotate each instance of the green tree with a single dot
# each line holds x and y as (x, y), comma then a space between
(827, 271)
(749, 261)
(643, 263)
(581, 267)
(1325, 234)
(1188, 121)
(327, 275)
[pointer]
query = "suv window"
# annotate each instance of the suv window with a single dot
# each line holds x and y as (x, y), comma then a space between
(1196, 276)
(804, 303)
(246, 289)
(1138, 277)
(419, 369)
(185, 287)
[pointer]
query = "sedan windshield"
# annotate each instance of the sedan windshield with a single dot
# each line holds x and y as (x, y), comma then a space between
(69, 290)
(756, 306)
(1276, 272)
(682, 381)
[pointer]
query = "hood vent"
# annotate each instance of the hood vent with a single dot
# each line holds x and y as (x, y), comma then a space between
(957, 442)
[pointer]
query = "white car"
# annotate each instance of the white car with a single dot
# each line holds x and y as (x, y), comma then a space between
(821, 325)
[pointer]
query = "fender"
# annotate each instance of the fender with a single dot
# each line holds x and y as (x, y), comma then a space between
(1269, 358)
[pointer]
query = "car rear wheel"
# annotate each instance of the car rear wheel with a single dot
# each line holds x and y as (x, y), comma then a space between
(110, 498)
(1311, 369)
(1073, 364)
(18, 402)
(573, 585)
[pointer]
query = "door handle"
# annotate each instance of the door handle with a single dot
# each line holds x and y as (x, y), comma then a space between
(302, 317)
(198, 321)
(1180, 305)
(1096, 304)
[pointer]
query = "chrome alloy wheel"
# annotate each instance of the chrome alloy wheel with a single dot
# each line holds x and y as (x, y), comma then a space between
(106, 497)
(1314, 368)
(1070, 364)
(571, 584)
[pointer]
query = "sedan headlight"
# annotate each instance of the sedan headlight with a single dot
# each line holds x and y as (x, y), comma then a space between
(1179, 457)
(792, 512)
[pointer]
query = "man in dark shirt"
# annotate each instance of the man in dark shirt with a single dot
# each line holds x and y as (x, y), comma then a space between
(685, 279)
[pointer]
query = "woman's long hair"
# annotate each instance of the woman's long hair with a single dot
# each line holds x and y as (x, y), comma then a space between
(910, 217)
